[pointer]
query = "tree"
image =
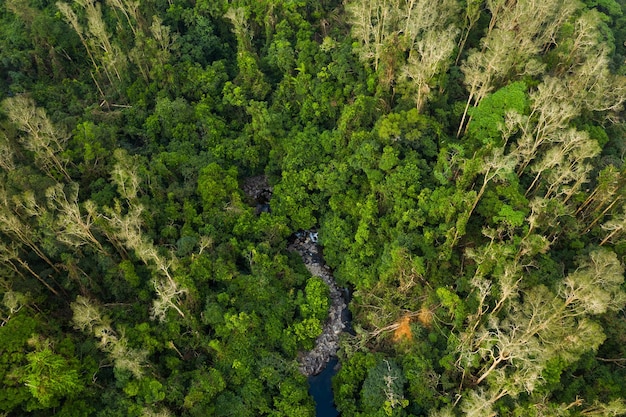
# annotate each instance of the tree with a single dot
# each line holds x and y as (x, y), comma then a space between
(14, 336)
(516, 35)
(49, 377)
(482, 69)
(10, 257)
(21, 233)
(384, 389)
(130, 9)
(88, 317)
(46, 141)
(73, 227)
(615, 226)
(386, 29)
(473, 9)
(96, 39)
(7, 153)
(491, 124)
(566, 162)
(603, 197)
(250, 77)
(584, 61)
(370, 25)
(72, 18)
(152, 50)
(585, 84)
(217, 186)
(595, 287)
(511, 351)
(127, 227)
(127, 174)
(551, 112)
(494, 166)
(315, 302)
(429, 57)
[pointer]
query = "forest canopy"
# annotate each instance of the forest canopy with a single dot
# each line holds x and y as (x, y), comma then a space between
(462, 161)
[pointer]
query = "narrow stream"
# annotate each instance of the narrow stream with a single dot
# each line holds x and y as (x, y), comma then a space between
(319, 364)
(320, 388)
(327, 343)
(320, 385)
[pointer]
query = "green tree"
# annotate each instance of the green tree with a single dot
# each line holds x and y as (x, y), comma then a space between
(383, 390)
(50, 377)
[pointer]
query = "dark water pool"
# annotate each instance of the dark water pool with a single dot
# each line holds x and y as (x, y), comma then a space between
(320, 388)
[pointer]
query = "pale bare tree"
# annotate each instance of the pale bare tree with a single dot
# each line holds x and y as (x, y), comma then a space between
(429, 57)
(585, 68)
(566, 162)
(423, 29)
(41, 136)
(543, 325)
(480, 402)
(161, 412)
(372, 25)
(550, 159)
(110, 55)
(551, 112)
(73, 226)
(127, 229)
(473, 10)
(96, 39)
(18, 229)
(7, 153)
(125, 175)
(241, 28)
(594, 288)
(615, 226)
(88, 317)
(518, 32)
(579, 149)
(130, 9)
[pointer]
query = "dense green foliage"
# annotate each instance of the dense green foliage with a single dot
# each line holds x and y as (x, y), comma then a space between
(463, 161)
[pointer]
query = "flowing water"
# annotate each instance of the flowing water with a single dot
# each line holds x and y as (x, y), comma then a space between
(321, 390)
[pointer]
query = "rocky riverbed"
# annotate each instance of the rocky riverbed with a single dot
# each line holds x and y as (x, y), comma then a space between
(327, 344)
(258, 191)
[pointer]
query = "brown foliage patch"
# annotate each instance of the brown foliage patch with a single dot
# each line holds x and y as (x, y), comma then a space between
(403, 329)
(425, 317)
